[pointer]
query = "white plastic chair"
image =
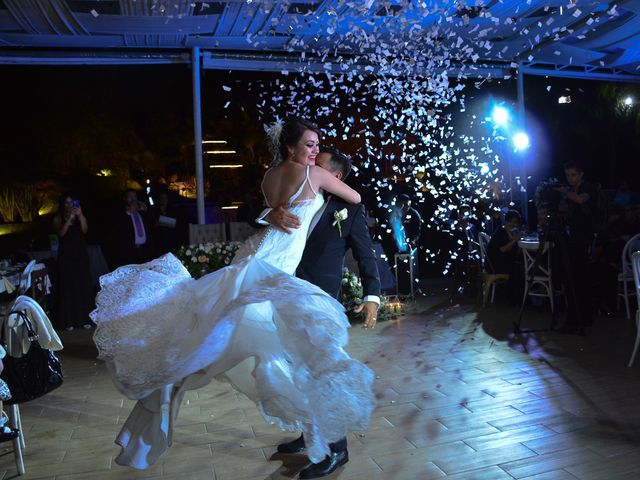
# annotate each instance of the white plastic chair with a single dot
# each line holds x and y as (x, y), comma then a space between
(15, 421)
(206, 233)
(626, 276)
(635, 267)
(489, 280)
(240, 231)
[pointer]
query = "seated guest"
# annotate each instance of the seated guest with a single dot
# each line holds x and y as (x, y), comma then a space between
(503, 248)
(504, 254)
(604, 263)
(542, 218)
(465, 233)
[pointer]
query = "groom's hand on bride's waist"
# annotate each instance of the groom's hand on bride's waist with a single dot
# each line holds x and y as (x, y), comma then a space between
(283, 219)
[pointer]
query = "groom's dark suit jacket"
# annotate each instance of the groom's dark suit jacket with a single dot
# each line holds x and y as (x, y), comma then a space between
(324, 253)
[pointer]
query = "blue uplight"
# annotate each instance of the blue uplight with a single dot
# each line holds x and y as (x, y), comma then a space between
(521, 141)
(500, 115)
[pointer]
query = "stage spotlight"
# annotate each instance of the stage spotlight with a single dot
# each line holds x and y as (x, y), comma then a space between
(521, 141)
(500, 115)
(628, 101)
(564, 99)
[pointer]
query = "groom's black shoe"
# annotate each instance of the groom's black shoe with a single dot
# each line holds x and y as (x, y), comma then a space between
(294, 446)
(329, 465)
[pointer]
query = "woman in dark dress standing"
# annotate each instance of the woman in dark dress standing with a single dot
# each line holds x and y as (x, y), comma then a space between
(75, 288)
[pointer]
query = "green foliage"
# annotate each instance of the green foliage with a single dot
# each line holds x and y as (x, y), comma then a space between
(19, 201)
(8, 206)
(27, 202)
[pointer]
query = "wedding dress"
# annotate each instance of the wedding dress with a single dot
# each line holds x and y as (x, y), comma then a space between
(276, 338)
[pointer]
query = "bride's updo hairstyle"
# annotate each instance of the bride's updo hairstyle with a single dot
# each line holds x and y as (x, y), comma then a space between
(287, 134)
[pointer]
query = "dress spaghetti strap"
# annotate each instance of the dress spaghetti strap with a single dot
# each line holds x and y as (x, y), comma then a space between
(308, 180)
(266, 200)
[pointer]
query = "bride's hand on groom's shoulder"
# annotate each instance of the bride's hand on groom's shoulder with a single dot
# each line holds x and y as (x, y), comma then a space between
(281, 218)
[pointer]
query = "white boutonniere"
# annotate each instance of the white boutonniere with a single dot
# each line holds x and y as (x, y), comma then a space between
(338, 216)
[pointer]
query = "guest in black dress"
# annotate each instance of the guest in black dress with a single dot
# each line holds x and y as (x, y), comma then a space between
(503, 248)
(76, 297)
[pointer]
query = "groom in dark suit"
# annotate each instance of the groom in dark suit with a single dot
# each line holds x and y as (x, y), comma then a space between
(322, 264)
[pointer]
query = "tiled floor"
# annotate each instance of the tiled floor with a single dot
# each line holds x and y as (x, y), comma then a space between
(459, 397)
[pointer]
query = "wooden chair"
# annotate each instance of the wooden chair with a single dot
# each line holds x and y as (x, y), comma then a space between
(489, 280)
(538, 277)
(38, 288)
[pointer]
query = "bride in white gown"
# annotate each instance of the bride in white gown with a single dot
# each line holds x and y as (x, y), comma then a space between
(276, 338)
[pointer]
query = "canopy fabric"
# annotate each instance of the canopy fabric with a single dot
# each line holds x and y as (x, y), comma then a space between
(582, 38)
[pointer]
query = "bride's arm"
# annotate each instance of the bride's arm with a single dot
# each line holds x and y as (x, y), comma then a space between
(325, 180)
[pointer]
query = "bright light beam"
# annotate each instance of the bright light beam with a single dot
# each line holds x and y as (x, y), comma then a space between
(628, 101)
(521, 141)
(500, 115)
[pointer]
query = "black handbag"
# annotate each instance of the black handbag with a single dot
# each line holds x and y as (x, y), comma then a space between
(35, 373)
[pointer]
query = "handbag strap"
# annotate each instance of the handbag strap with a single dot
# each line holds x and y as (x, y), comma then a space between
(33, 336)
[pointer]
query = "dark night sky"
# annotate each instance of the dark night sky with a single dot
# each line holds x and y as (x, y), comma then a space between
(43, 105)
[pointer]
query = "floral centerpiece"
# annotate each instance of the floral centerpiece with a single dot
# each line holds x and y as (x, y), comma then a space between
(351, 291)
(207, 257)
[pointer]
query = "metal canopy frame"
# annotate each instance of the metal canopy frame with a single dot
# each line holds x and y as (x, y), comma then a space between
(270, 62)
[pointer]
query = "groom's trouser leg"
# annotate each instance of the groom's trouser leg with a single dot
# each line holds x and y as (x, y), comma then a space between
(339, 446)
